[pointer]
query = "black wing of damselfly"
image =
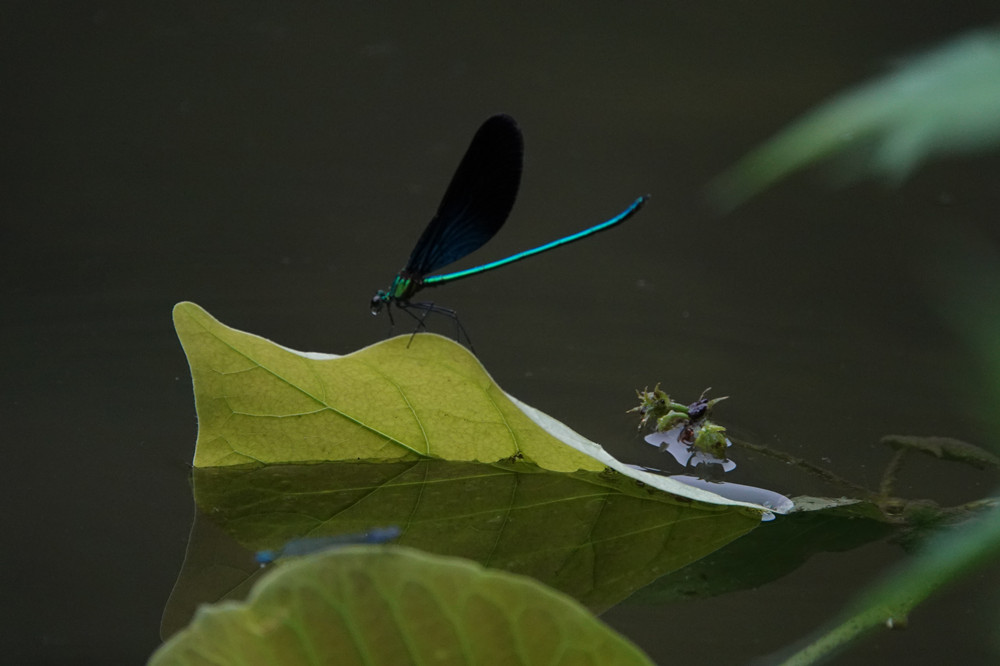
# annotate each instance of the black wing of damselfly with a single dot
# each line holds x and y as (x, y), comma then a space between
(478, 200)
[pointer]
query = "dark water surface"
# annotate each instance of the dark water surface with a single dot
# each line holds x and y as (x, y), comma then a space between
(275, 164)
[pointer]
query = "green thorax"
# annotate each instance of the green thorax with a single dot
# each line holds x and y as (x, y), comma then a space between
(404, 286)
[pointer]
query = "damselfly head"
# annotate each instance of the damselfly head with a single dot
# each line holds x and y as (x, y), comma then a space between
(378, 300)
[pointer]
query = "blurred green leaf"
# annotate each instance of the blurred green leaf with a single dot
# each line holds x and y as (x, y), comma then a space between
(887, 604)
(390, 605)
(944, 101)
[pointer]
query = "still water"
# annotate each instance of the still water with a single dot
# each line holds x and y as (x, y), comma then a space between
(275, 165)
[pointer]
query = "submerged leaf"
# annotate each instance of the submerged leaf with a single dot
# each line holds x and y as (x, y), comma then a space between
(596, 536)
(390, 605)
(945, 448)
(771, 552)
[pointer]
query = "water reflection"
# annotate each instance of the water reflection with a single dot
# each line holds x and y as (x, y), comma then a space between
(706, 472)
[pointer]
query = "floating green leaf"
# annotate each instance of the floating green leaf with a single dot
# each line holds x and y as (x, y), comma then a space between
(388, 605)
(258, 402)
(401, 399)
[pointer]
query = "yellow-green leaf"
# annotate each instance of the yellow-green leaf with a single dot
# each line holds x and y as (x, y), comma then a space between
(258, 402)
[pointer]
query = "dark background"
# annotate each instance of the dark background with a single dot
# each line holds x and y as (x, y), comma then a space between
(275, 162)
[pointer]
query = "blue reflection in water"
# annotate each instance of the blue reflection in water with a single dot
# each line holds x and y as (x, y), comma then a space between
(707, 471)
(308, 545)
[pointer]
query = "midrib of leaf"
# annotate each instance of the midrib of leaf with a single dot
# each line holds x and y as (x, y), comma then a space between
(317, 400)
(409, 405)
